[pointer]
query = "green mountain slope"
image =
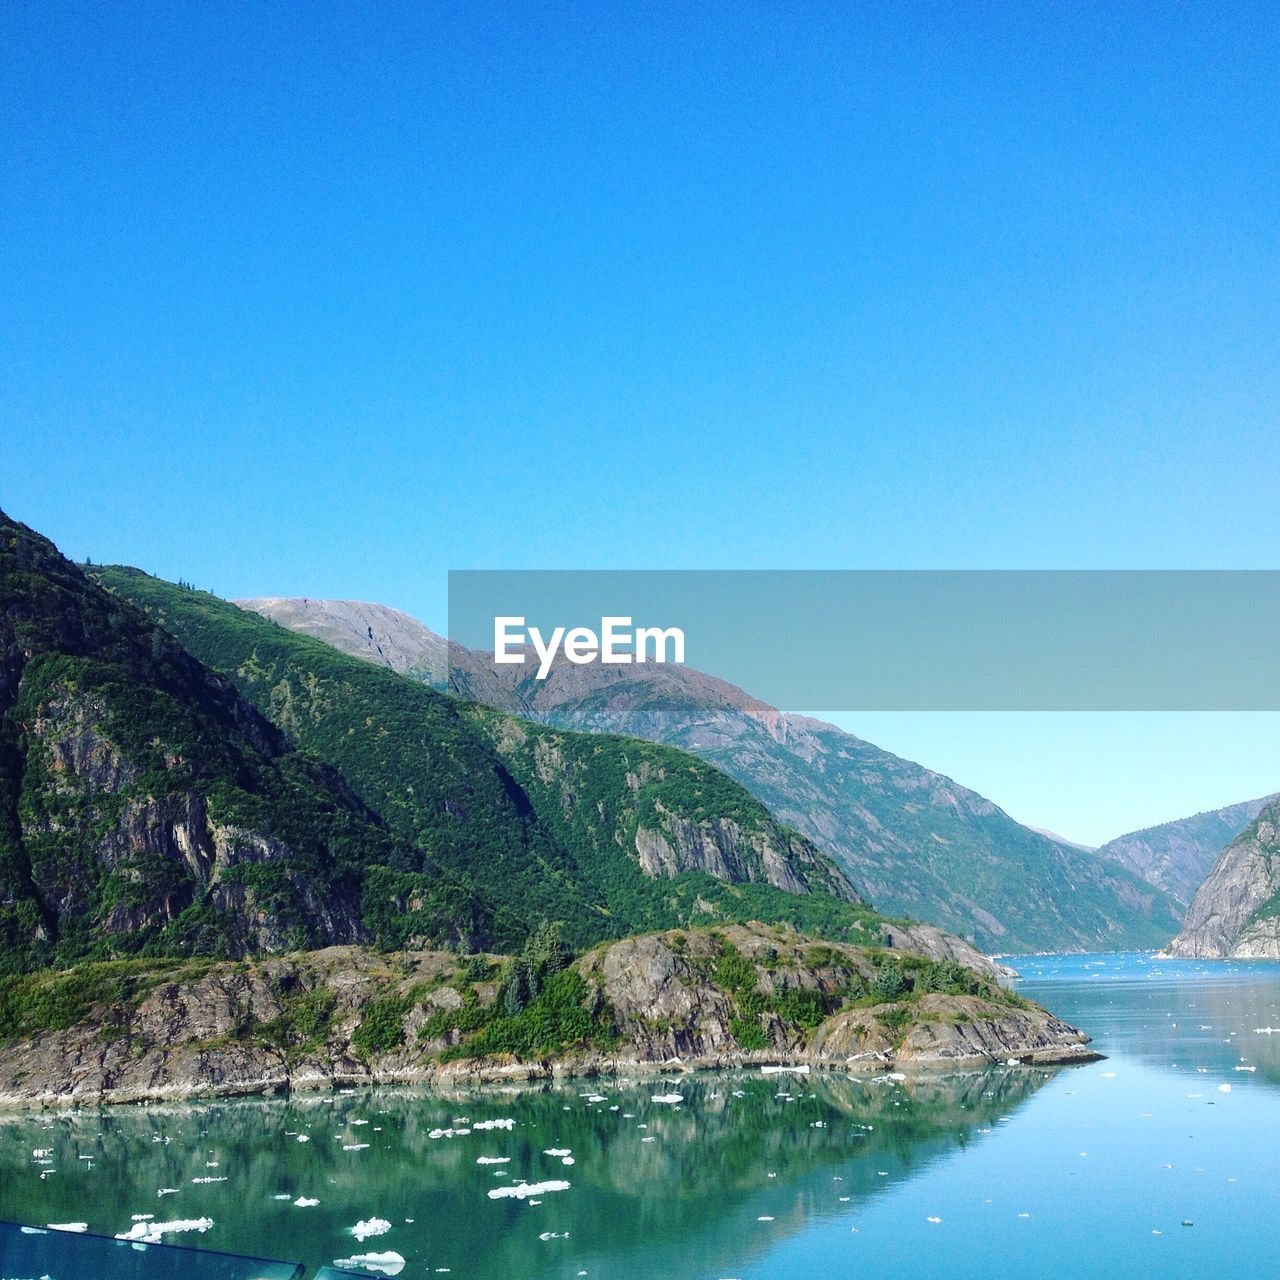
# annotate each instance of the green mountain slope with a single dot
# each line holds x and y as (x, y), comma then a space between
(916, 843)
(606, 833)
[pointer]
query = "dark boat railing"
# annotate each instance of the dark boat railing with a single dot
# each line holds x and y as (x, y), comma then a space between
(40, 1252)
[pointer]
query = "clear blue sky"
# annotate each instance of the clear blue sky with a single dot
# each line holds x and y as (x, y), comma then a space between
(328, 299)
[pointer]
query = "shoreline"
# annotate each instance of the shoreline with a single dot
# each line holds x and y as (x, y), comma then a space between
(466, 1074)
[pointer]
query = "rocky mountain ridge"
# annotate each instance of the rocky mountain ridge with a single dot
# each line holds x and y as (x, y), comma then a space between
(1236, 911)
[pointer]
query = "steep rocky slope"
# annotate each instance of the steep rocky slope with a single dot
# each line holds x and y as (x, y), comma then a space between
(915, 842)
(143, 802)
(1236, 911)
(701, 998)
(1177, 856)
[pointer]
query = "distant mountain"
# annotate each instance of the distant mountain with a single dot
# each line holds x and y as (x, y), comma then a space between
(1054, 836)
(372, 631)
(1236, 911)
(914, 842)
(1177, 856)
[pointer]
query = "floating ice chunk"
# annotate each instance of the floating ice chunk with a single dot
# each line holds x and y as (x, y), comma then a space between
(141, 1217)
(671, 1098)
(764, 1217)
(493, 1159)
(367, 1227)
(302, 1137)
(523, 1190)
(200, 1182)
(934, 1220)
(359, 1122)
(69, 1226)
(1108, 1075)
(150, 1232)
(802, 1070)
(387, 1264)
(1244, 1068)
(566, 1160)
(1224, 1088)
(167, 1191)
(39, 1153)
(305, 1202)
(284, 1195)
(560, 1152)
(506, 1123)
(648, 1139)
(596, 1097)
(554, 1235)
(355, 1146)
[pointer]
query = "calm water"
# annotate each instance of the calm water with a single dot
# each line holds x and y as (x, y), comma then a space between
(1085, 1171)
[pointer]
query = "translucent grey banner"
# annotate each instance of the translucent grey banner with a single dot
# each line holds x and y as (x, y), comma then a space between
(1194, 640)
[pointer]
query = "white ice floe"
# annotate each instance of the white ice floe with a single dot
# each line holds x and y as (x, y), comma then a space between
(505, 1123)
(1224, 1088)
(672, 1098)
(201, 1182)
(523, 1190)
(559, 1152)
(554, 1235)
(355, 1146)
(451, 1133)
(367, 1227)
(302, 1137)
(764, 1217)
(802, 1070)
(150, 1232)
(167, 1191)
(387, 1264)
(69, 1226)
(493, 1159)
(305, 1202)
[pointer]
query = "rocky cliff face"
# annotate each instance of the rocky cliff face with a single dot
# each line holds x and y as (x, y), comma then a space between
(1177, 856)
(740, 996)
(1236, 911)
(141, 796)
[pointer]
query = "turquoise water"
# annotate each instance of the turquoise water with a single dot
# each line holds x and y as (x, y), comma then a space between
(1084, 1171)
